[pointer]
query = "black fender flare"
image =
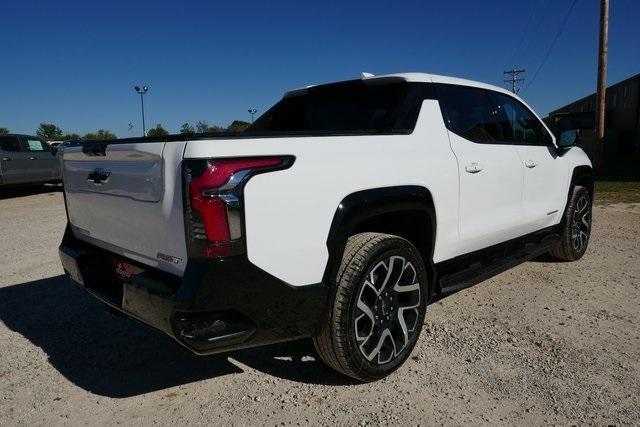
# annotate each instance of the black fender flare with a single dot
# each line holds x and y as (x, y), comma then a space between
(581, 175)
(365, 204)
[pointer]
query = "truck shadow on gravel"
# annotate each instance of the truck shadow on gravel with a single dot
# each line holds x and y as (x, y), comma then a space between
(117, 357)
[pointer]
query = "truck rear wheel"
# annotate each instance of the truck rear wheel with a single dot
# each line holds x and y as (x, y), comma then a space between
(577, 227)
(379, 307)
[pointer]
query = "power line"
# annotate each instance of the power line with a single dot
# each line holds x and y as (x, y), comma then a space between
(524, 34)
(553, 42)
(514, 80)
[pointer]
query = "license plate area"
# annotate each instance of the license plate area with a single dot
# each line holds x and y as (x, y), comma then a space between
(123, 270)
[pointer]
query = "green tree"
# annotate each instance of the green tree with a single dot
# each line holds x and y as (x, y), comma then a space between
(238, 126)
(214, 129)
(49, 132)
(101, 134)
(157, 131)
(70, 137)
(187, 129)
(202, 126)
(4, 130)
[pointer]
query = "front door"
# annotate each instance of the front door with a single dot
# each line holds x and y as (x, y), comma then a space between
(44, 164)
(490, 173)
(543, 195)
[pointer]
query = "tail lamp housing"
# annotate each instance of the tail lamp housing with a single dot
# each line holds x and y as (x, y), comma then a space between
(214, 211)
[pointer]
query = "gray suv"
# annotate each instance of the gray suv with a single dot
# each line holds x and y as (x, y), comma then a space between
(26, 159)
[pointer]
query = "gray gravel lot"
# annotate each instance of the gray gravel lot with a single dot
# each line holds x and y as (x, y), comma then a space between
(543, 343)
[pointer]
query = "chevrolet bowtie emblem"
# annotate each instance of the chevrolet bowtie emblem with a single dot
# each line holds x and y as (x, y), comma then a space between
(99, 176)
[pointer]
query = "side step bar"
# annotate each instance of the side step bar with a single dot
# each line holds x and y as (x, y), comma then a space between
(468, 270)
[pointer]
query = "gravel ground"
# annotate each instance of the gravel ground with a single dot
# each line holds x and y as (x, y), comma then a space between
(544, 343)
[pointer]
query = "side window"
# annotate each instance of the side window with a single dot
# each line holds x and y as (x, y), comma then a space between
(32, 144)
(9, 143)
(469, 113)
(517, 123)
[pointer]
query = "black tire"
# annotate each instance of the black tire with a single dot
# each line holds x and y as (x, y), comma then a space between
(342, 342)
(577, 227)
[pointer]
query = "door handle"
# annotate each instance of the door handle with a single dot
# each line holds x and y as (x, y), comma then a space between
(6, 159)
(474, 167)
(530, 164)
(33, 158)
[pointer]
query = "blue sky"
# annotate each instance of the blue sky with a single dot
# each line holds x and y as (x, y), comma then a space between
(74, 63)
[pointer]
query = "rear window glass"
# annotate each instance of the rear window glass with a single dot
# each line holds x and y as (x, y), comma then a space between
(352, 106)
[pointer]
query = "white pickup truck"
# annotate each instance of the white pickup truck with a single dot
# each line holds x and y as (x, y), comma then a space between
(340, 214)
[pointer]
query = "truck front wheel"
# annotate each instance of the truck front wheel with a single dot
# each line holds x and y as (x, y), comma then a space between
(378, 309)
(577, 227)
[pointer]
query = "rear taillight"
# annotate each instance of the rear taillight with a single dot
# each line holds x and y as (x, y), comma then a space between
(213, 206)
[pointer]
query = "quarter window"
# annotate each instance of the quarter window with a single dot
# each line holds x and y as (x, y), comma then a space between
(469, 113)
(517, 123)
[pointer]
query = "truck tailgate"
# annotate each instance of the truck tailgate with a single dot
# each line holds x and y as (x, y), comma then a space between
(128, 200)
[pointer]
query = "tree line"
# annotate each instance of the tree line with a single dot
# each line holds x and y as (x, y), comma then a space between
(51, 132)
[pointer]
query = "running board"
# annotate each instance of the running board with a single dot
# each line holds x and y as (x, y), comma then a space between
(468, 270)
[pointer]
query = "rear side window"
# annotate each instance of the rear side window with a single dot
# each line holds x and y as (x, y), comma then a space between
(353, 106)
(9, 143)
(517, 123)
(469, 113)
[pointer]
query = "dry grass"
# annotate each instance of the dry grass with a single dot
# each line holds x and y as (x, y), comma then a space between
(609, 192)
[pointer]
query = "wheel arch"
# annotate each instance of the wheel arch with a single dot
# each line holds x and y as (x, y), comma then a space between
(583, 176)
(407, 211)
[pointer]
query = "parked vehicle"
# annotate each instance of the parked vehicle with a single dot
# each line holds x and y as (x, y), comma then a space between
(340, 214)
(26, 159)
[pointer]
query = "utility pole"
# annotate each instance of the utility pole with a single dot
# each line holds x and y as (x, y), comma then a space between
(602, 85)
(514, 80)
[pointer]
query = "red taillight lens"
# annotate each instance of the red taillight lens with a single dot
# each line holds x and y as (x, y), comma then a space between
(214, 196)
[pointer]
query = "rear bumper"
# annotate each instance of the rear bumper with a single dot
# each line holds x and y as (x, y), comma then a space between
(216, 306)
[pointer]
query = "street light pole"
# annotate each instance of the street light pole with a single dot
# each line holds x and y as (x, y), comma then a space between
(252, 111)
(141, 92)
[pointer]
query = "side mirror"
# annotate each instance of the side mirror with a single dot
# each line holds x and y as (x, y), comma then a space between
(568, 138)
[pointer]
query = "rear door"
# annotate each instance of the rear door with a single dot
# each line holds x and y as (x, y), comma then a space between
(490, 175)
(543, 197)
(45, 166)
(15, 162)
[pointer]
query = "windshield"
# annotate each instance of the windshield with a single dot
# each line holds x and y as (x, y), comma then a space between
(352, 106)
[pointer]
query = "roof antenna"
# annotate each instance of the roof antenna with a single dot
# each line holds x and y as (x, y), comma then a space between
(365, 75)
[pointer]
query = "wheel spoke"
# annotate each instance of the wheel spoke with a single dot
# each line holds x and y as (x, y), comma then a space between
(379, 276)
(583, 239)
